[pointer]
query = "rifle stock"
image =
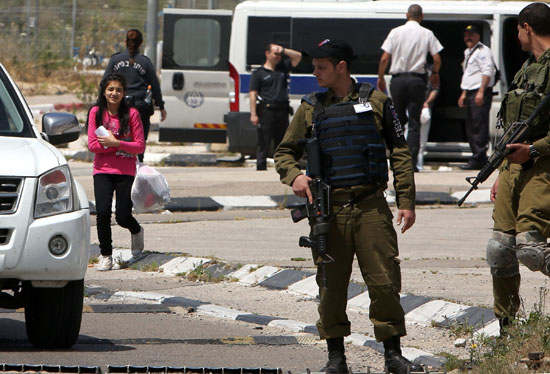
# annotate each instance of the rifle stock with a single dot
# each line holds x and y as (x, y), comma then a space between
(516, 133)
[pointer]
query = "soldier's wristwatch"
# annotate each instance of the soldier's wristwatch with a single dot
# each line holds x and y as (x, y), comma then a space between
(533, 153)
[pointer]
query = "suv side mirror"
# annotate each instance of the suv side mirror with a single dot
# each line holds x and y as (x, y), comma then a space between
(60, 127)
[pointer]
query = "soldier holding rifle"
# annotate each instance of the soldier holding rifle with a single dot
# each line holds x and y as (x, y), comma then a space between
(352, 124)
(521, 192)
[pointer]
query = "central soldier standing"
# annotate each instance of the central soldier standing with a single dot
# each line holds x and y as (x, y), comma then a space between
(353, 122)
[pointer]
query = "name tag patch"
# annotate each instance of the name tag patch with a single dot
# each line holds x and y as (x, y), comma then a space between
(362, 108)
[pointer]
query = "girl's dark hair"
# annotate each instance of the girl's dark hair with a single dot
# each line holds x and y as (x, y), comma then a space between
(101, 103)
(134, 38)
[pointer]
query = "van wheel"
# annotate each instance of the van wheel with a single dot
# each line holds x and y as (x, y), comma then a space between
(53, 315)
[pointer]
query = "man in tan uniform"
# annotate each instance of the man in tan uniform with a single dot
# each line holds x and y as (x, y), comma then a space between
(352, 136)
(521, 193)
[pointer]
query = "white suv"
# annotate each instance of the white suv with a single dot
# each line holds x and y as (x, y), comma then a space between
(44, 222)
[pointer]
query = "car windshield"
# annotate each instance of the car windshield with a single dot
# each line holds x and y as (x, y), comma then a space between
(13, 119)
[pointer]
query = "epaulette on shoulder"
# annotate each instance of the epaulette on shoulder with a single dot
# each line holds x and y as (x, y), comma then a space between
(378, 96)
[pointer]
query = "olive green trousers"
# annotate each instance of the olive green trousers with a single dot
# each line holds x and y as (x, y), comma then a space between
(364, 230)
(522, 204)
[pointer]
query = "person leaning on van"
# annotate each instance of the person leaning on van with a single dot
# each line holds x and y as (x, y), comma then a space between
(521, 192)
(407, 46)
(139, 73)
(477, 94)
(362, 225)
(269, 107)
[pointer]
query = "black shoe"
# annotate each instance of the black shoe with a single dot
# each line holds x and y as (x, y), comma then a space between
(336, 358)
(394, 360)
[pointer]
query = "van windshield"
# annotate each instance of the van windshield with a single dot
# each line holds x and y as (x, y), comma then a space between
(13, 120)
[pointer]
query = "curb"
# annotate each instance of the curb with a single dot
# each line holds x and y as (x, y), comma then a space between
(418, 310)
(215, 203)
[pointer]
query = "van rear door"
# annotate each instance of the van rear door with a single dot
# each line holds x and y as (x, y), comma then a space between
(195, 75)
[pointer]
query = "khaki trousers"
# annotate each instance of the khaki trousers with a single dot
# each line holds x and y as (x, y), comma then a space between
(522, 204)
(366, 231)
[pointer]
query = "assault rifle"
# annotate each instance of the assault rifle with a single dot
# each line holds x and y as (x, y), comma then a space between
(318, 211)
(516, 133)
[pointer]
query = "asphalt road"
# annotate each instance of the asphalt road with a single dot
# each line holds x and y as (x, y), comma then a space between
(442, 257)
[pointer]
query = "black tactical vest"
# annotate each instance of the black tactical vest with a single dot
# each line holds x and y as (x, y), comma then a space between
(353, 151)
(531, 84)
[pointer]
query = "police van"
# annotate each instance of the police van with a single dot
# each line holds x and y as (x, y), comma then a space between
(208, 58)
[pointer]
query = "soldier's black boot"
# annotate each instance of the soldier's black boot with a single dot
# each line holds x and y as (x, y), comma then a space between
(336, 357)
(504, 323)
(395, 362)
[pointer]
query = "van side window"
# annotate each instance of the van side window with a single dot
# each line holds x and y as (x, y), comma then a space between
(195, 42)
(202, 49)
(365, 35)
(264, 30)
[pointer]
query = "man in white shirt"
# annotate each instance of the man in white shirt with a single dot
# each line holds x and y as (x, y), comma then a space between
(407, 47)
(477, 92)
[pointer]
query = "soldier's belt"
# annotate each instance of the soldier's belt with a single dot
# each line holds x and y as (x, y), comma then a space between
(342, 198)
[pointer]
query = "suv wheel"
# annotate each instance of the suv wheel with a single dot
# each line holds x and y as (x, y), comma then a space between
(53, 315)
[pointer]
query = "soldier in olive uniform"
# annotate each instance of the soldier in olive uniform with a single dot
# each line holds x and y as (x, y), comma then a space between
(521, 193)
(352, 136)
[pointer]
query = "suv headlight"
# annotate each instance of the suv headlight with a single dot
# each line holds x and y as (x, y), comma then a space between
(54, 193)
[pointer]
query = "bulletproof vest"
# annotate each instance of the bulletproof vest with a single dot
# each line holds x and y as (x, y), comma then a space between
(353, 151)
(531, 84)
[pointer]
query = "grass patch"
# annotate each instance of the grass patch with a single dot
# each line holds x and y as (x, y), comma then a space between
(153, 266)
(528, 333)
(202, 274)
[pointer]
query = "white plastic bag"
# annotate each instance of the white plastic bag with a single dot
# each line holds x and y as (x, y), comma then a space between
(150, 190)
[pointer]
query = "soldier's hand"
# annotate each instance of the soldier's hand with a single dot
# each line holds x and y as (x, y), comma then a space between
(520, 153)
(407, 217)
(300, 187)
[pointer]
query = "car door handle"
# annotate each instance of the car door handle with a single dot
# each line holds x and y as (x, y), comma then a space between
(177, 81)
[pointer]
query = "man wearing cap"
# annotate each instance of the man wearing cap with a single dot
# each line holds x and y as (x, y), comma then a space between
(477, 93)
(407, 47)
(354, 124)
(269, 108)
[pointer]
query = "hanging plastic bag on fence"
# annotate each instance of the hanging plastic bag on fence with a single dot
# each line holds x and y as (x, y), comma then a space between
(150, 190)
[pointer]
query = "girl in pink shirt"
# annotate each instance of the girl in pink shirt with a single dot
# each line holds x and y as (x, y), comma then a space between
(114, 163)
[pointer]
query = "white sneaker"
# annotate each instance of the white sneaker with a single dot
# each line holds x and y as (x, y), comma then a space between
(105, 263)
(137, 242)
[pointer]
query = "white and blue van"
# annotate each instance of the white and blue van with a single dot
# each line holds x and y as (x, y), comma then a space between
(208, 57)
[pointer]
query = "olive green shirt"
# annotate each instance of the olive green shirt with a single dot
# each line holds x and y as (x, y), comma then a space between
(289, 152)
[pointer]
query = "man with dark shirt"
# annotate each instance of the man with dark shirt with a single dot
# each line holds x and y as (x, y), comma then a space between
(268, 85)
